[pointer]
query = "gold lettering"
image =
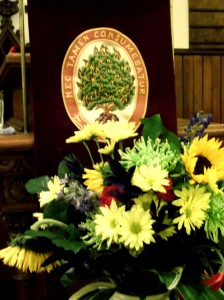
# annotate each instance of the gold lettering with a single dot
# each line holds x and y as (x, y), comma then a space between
(138, 62)
(122, 41)
(142, 92)
(139, 70)
(129, 48)
(68, 85)
(134, 55)
(68, 78)
(141, 76)
(86, 38)
(117, 37)
(103, 34)
(68, 94)
(80, 42)
(76, 50)
(111, 35)
(96, 34)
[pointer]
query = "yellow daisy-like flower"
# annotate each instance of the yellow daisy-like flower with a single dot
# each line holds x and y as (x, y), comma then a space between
(204, 160)
(136, 228)
(94, 178)
(150, 178)
(146, 199)
(166, 233)
(89, 131)
(108, 149)
(26, 260)
(107, 223)
(55, 187)
(118, 131)
(193, 203)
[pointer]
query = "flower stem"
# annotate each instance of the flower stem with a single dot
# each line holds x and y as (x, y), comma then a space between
(50, 222)
(98, 147)
(87, 148)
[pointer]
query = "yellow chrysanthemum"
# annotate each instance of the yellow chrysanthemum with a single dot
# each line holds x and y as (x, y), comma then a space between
(204, 160)
(89, 131)
(108, 149)
(26, 260)
(150, 178)
(55, 187)
(166, 233)
(193, 203)
(118, 131)
(145, 200)
(136, 228)
(94, 178)
(107, 223)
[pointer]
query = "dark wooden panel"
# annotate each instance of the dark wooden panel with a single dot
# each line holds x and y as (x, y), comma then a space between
(179, 85)
(199, 78)
(206, 4)
(188, 86)
(216, 87)
(197, 75)
(207, 35)
(206, 19)
(207, 83)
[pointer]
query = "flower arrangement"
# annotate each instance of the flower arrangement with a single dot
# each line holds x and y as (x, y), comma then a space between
(146, 218)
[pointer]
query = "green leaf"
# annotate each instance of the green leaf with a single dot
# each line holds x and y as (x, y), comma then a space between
(37, 185)
(94, 289)
(170, 279)
(56, 210)
(70, 245)
(189, 292)
(152, 127)
(69, 278)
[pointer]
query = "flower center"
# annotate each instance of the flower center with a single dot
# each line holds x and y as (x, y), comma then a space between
(201, 163)
(113, 224)
(135, 228)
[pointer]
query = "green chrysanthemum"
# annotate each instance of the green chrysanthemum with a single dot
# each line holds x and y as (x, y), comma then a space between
(145, 153)
(214, 223)
(193, 203)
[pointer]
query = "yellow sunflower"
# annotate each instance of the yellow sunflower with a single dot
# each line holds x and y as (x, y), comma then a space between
(26, 260)
(204, 160)
(94, 177)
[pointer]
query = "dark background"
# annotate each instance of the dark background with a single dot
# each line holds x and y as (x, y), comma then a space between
(54, 25)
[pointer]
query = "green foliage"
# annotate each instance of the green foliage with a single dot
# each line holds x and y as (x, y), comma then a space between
(56, 210)
(37, 185)
(153, 127)
(189, 292)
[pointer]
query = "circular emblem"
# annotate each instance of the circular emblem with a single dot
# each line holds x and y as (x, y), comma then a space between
(104, 78)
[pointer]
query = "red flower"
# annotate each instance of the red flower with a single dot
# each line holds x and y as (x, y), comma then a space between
(106, 198)
(215, 282)
(169, 195)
